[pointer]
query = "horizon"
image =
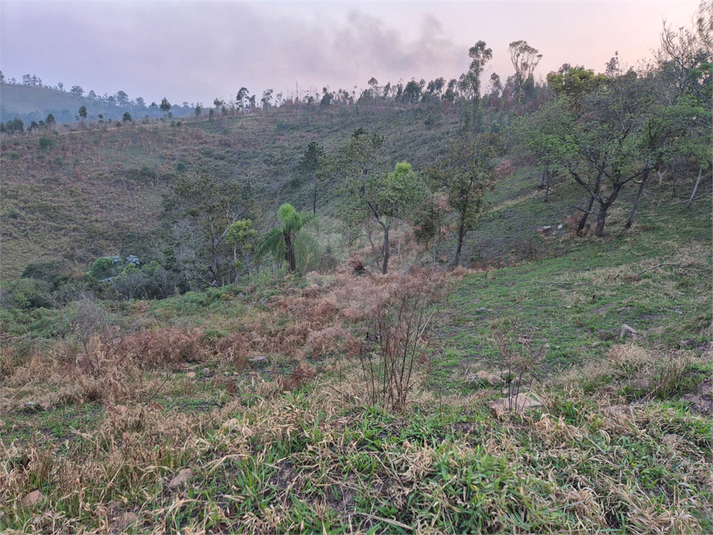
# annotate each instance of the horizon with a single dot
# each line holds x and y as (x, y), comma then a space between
(196, 52)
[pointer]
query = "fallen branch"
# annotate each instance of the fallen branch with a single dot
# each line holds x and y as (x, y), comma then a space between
(638, 275)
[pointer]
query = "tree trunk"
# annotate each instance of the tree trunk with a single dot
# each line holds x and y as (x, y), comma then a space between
(541, 184)
(385, 249)
(601, 220)
(289, 253)
(583, 221)
(635, 208)
(603, 207)
(461, 235)
(695, 188)
(314, 201)
(548, 181)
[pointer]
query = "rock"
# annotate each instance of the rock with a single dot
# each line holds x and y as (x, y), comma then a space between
(206, 371)
(627, 331)
(32, 498)
(519, 404)
(260, 361)
(181, 479)
(124, 522)
(484, 377)
(480, 310)
(191, 375)
(490, 310)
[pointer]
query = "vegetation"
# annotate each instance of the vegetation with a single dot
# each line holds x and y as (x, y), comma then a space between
(159, 375)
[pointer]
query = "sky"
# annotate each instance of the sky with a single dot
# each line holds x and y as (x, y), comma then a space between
(195, 51)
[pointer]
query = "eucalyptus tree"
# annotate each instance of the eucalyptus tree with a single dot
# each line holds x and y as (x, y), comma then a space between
(524, 59)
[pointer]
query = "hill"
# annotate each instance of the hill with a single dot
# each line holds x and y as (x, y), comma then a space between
(94, 192)
(33, 103)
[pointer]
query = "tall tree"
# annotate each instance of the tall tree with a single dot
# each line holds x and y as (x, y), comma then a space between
(524, 59)
(470, 81)
(309, 167)
(165, 106)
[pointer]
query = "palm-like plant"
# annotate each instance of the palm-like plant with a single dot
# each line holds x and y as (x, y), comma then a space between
(289, 242)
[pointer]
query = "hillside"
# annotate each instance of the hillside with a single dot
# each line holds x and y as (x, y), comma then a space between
(31, 103)
(97, 192)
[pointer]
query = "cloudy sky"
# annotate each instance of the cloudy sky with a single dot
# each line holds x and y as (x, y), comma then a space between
(196, 51)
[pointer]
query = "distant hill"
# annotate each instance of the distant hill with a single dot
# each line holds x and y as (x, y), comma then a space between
(32, 103)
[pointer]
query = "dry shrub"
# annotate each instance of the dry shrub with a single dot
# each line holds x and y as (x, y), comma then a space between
(163, 348)
(628, 359)
(392, 314)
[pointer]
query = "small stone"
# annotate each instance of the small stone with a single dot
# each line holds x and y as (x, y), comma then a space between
(559, 227)
(181, 479)
(32, 498)
(480, 310)
(260, 361)
(206, 371)
(519, 404)
(494, 379)
(191, 375)
(627, 331)
(490, 310)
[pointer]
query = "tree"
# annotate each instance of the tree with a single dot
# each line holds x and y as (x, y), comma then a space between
(289, 242)
(243, 99)
(374, 197)
(241, 237)
(266, 99)
(202, 209)
(165, 106)
(613, 138)
(127, 117)
(77, 91)
(92, 95)
(575, 83)
(412, 92)
(199, 110)
(83, 112)
(524, 58)
(122, 98)
(465, 176)
(470, 81)
(309, 166)
(50, 121)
